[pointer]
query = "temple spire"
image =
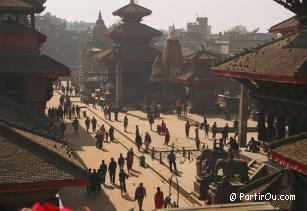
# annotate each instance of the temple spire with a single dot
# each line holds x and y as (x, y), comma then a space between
(132, 2)
(99, 16)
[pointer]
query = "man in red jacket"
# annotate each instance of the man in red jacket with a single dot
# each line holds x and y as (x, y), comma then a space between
(159, 199)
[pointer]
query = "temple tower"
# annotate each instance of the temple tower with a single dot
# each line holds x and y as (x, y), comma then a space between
(133, 55)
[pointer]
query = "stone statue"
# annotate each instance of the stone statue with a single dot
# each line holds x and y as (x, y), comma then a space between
(232, 166)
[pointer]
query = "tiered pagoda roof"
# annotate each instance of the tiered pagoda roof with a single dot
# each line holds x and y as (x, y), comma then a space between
(132, 10)
(134, 30)
(35, 6)
(18, 56)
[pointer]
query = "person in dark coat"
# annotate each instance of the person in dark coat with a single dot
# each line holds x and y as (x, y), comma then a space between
(78, 110)
(197, 142)
(140, 194)
(87, 124)
(103, 170)
(111, 133)
(151, 121)
(89, 175)
(167, 137)
(75, 125)
(121, 161)
(187, 129)
(138, 142)
(129, 159)
(234, 146)
(137, 131)
(125, 123)
(206, 131)
(122, 181)
(62, 128)
(94, 124)
(214, 130)
(112, 170)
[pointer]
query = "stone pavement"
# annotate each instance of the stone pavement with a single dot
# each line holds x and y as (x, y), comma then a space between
(109, 199)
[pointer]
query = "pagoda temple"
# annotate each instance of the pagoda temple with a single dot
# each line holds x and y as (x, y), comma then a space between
(131, 60)
(26, 76)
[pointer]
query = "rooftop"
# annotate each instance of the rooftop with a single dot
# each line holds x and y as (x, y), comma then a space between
(35, 6)
(131, 10)
(274, 61)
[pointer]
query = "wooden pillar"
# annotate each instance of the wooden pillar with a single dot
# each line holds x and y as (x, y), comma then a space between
(261, 126)
(281, 127)
(243, 115)
(271, 130)
(32, 21)
(119, 84)
(292, 127)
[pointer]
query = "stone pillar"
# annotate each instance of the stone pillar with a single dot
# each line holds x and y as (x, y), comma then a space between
(271, 129)
(281, 127)
(119, 85)
(243, 115)
(261, 126)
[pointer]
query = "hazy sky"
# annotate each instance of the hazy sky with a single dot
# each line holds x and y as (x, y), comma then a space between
(222, 14)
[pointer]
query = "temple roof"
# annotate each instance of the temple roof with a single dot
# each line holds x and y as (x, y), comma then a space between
(22, 5)
(193, 75)
(135, 30)
(202, 56)
(105, 54)
(287, 26)
(33, 64)
(30, 159)
(172, 53)
(132, 10)
(281, 61)
(290, 152)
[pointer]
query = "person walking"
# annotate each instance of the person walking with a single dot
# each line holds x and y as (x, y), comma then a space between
(172, 161)
(78, 110)
(121, 161)
(87, 123)
(167, 137)
(196, 131)
(140, 194)
(214, 130)
(75, 125)
(187, 129)
(125, 123)
(137, 131)
(112, 170)
(129, 159)
(122, 182)
(206, 131)
(99, 139)
(111, 133)
(197, 142)
(94, 124)
(62, 128)
(159, 199)
(151, 120)
(103, 170)
(138, 142)
(147, 142)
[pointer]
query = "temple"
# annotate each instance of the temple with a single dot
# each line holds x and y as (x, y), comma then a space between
(131, 60)
(35, 160)
(275, 76)
(26, 75)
